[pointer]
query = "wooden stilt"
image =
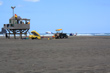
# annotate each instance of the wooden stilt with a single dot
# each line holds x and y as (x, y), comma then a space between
(21, 34)
(15, 32)
(9, 35)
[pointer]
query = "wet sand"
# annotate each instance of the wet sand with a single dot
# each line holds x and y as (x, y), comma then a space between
(80, 54)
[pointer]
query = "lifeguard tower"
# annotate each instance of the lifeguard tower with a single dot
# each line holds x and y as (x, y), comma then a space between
(17, 26)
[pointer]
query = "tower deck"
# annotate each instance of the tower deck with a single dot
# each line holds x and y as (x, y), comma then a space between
(17, 25)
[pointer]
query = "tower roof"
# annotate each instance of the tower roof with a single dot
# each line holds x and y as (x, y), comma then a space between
(18, 17)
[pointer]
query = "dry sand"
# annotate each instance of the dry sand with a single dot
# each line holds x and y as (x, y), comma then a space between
(73, 55)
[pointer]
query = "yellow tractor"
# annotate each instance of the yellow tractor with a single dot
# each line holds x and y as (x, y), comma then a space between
(35, 35)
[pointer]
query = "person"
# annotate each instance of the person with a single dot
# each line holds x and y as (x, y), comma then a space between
(20, 22)
(76, 34)
(17, 21)
(28, 22)
(71, 34)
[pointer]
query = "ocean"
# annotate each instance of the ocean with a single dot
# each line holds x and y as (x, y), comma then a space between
(82, 34)
(78, 34)
(93, 34)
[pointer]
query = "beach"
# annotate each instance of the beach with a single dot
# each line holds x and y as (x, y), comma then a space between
(77, 54)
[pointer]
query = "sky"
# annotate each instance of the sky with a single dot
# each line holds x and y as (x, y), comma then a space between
(81, 16)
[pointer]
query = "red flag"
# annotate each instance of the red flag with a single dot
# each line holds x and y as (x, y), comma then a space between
(15, 16)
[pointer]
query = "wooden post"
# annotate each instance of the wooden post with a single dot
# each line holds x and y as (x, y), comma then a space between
(21, 34)
(18, 31)
(14, 34)
(9, 34)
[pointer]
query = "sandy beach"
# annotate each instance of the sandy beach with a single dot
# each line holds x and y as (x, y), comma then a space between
(80, 54)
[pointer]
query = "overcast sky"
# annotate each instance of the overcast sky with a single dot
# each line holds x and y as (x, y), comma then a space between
(81, 16)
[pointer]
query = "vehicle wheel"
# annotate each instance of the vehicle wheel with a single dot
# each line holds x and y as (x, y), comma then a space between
(66, 37)
(32, 38)
(36, 38)
(56, 37)
(61, 37)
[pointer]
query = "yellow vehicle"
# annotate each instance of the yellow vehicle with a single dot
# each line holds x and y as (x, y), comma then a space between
(35, 35)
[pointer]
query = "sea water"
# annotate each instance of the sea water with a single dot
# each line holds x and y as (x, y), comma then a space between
(93, 34)
(82, 34)
(78, 34)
